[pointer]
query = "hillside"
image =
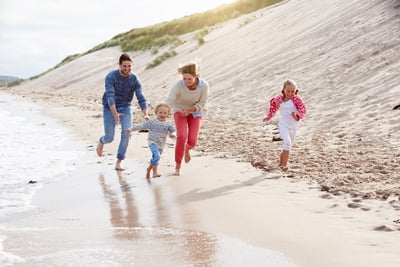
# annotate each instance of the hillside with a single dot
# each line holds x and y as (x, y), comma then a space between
(344, 56)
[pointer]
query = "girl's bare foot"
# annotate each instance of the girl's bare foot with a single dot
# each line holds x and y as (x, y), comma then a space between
(284, 168)
(99, 149)
(187, 155)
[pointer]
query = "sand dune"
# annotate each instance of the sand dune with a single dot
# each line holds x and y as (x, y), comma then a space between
(344, 56)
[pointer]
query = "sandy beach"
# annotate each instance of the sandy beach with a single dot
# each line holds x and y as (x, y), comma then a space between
(339, 205)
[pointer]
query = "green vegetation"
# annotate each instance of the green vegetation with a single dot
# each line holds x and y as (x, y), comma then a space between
(10, 83)
(247, 21)
(200, 35)
(160, 59)
(166, 33)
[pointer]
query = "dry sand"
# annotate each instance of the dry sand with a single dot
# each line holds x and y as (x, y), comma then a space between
(344, 55)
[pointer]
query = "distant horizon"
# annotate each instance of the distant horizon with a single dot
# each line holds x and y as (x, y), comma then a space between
(38, 37)
(8, 78)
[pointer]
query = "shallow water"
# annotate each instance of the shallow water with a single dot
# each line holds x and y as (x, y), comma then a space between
(145, 247)
(33, 153)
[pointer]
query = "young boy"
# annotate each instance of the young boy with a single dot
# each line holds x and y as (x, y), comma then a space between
(159, 128)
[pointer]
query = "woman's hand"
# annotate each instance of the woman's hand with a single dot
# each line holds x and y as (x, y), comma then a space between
(184, 112)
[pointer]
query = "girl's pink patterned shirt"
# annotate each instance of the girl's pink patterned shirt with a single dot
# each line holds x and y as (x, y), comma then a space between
(276, 101)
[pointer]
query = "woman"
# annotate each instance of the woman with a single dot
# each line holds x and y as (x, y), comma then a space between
(188, 99)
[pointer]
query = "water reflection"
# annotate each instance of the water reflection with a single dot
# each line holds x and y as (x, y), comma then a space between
(155, 232)
(200, 247)
(123, 211)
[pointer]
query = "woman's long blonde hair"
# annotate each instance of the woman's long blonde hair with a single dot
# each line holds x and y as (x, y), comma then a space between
(191, 68)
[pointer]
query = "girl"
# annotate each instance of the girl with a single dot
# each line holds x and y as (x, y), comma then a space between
(158, 128)
(292, 110)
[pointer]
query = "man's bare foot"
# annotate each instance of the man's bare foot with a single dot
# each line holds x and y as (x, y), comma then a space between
(99, 149)
(177, 172)
(156, 175)
(187, 155)
(148, 170)
(118, 166)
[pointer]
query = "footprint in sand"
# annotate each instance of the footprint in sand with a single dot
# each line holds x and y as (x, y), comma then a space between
(383, 228)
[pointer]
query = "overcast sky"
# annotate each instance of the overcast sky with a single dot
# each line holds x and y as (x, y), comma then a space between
(35, 35)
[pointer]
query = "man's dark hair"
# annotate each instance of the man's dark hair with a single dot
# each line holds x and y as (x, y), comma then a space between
(124, 57)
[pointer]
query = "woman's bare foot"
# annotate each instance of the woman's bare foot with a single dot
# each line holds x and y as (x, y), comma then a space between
(99, 149)
(177, 169)
(187, 155)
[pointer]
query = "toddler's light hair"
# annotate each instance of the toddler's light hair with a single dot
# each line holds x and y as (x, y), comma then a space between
(165, 105)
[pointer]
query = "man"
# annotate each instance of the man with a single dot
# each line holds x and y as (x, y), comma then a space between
(120, 87)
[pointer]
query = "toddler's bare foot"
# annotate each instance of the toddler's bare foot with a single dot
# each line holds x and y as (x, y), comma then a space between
(148, 170)
(99, 149)
(187, 155)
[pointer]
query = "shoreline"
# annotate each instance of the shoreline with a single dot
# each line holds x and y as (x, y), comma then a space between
(221, 196)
